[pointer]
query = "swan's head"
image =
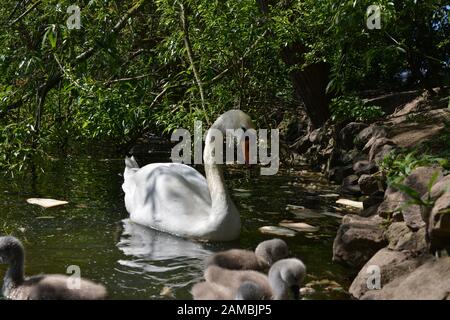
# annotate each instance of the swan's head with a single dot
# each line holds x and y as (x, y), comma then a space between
(11, 249)
(287, 275)
(233, 119)
(242, 126)
(249, 290)
(270, 251)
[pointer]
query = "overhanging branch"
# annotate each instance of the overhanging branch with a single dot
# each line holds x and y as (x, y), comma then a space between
(25, 13)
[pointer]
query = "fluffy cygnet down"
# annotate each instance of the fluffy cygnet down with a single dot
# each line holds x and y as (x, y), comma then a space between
(266, 253)
(41, 287)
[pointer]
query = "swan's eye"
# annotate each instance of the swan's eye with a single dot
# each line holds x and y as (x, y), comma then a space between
(243, 128)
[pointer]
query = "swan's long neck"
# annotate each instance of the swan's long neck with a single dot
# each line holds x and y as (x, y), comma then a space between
(216, 184)
(217, 190)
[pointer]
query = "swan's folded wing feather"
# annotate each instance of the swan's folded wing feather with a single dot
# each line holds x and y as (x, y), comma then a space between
(168, 197)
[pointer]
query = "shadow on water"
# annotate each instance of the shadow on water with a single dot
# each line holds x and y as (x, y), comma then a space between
(135, 262)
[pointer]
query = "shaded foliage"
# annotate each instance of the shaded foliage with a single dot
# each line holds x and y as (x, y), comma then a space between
(134, 66)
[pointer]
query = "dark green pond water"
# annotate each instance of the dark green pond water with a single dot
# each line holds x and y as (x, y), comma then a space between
(135, 262)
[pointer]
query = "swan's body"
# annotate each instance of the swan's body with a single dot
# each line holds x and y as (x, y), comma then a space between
(284, 276)
(41, 287)
(177, 199)
(266, 253)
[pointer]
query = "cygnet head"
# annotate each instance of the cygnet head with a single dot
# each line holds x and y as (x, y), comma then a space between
(11, 250)
(270, 251)
(249, 290)
(286, 275)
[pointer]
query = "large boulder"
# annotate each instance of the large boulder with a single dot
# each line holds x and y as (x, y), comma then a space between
(402, 238)
(395, 200)
(358, 239)
(439, 216)
(348, 134)
(440, 187)
(369, 211)
(366, 134)
(337, 174)
(375, 198)
(392, 202)
(368, 184)
(350, 186)
(364, 167)
(391, 264)
(430, 281)
(379, 148)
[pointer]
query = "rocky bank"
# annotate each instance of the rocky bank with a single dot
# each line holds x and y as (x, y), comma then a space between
(407, 242)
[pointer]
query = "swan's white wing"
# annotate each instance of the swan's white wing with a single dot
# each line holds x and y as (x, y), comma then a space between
(170, 197)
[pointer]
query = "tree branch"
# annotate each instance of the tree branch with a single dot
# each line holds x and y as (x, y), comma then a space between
(129, 79)
(119, 25)
(26, 12)
(239, 61)
(187, 43)
(54, 79)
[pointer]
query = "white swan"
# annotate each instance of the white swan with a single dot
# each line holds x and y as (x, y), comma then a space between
(177, 199)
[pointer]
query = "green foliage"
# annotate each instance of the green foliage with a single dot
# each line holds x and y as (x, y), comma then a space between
(397, 165)
(16, 149)
(350, 108)
(121, 75)
(414, 196)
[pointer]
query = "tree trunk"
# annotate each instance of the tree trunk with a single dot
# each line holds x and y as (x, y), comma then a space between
(310, 83)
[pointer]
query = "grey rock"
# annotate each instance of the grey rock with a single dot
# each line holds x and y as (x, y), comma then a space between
(440, 187)
(369, 211)
(420, 177)
(374, 199)
(379, 148)
(358, 239)
(350, 186)
(392, 264)
(337, 174)
(439, 223)
(366, 134)
(364, 167)
(368, 184)
(348, 134)
(402, 238)
(430, 281)
(395, 200)
(382, 153)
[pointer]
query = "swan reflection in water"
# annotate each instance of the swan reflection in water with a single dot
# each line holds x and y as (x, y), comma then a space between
(164, 259)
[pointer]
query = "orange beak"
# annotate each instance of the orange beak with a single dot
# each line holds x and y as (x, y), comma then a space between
(246, 151)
